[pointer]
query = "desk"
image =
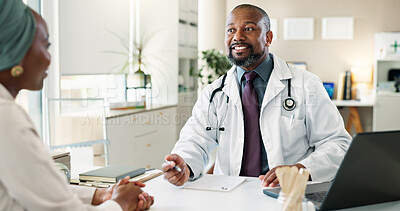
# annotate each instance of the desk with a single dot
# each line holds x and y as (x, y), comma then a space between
(247, 196)
(354, 118)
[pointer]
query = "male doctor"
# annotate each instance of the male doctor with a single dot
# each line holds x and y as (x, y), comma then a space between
(267, 114)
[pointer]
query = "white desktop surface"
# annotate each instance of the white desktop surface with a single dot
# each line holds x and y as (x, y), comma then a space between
(247, 196)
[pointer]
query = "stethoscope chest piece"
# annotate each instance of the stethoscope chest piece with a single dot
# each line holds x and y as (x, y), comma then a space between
(289, 104)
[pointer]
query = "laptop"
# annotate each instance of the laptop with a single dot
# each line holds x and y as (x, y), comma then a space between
(369, 174)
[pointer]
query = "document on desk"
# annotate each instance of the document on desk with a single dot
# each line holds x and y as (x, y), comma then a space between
(216, 183)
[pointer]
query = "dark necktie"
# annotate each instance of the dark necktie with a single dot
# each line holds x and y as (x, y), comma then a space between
(251, 161)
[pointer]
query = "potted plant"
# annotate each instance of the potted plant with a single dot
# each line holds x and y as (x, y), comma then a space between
(215, 65)
(138, 81)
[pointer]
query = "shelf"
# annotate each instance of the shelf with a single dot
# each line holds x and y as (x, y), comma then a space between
(121, 113)
(355, 103)
(388, 60)
(389, 94)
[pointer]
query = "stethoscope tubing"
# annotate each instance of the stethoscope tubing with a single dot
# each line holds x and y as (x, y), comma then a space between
(288, 104)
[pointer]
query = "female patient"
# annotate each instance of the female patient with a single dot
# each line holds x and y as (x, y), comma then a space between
(28, 179)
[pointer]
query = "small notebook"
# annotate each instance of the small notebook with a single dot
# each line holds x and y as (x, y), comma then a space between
(216, 183)
(111, 174)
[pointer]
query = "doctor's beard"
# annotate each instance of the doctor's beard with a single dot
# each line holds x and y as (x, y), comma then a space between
(249, 60)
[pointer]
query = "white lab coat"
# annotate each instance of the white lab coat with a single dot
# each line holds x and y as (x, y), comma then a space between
(28, 177)
(312, 134)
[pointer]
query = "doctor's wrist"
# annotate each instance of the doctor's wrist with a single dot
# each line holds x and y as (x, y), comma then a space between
(299, 166)
(191, 174)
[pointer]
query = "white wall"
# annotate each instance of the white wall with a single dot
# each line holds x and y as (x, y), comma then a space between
(85, 36)
(159, 22)
(212, 24)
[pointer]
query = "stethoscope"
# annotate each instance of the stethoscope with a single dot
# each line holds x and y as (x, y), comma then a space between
(289, 104)
(211, 102)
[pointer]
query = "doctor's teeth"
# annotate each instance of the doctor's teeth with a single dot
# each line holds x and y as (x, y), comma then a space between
(240, 48)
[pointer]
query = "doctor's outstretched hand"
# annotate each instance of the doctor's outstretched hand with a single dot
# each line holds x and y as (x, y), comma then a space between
(271, 180)
(175, 175)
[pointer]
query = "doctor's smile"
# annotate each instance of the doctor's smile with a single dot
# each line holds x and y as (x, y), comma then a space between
(240, 48)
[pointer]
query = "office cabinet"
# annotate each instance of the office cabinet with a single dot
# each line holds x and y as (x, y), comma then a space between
(188, 45)
(171, 36)
(142, 138)
(386, 113)
(188, 55)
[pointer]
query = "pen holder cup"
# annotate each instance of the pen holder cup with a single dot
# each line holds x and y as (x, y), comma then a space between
(305, 204)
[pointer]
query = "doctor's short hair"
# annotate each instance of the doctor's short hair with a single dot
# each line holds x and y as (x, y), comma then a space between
(250, 6)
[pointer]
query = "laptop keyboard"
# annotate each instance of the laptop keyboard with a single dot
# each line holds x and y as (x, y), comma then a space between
(317, 196)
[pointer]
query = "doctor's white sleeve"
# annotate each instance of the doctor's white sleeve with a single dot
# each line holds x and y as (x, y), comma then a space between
(28, 179)
(195, 143)
(325, 132)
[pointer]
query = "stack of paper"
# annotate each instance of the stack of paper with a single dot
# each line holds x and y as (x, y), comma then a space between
(216, 183)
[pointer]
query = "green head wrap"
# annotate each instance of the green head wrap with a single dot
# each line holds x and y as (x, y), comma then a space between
(17, 30)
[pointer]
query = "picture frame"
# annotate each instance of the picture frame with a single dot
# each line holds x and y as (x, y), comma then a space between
(298, 29)
(300, 65)
(330, 88)
(337, 28)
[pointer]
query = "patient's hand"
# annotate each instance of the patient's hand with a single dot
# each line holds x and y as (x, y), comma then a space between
(143, 198)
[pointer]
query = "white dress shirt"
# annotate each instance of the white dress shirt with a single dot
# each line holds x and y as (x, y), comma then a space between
(28, 177)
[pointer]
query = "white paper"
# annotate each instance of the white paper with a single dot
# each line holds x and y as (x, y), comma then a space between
(216, 183)
(298, 28)
(337, 28)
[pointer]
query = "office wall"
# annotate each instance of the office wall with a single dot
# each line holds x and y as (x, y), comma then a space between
(86, 36)
(327, 58)
(159, 25)
(212, 24)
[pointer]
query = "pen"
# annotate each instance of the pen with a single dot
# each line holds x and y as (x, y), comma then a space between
(175, 167)
(291, 120)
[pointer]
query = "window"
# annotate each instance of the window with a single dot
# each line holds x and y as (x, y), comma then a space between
(110, 87)
(31, 101)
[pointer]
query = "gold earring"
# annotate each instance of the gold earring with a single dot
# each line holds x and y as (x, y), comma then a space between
(17, 71)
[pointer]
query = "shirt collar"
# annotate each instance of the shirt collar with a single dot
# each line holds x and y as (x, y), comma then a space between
(263, 70)
(4, 93)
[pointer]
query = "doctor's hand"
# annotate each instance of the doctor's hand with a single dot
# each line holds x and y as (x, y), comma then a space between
(173, 175)
(271, 180)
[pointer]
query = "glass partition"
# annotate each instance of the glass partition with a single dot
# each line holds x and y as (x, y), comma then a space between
(75, 123)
